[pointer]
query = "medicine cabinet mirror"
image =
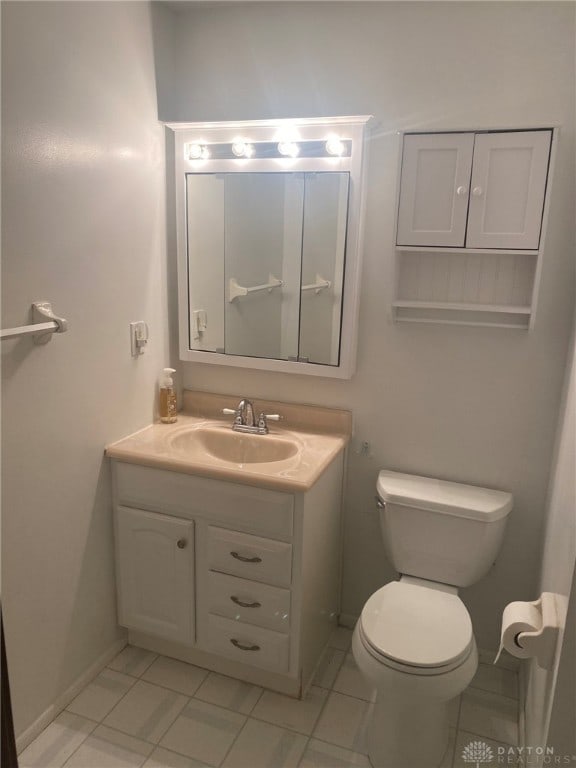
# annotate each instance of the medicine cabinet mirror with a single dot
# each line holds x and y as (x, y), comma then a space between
(269, 243)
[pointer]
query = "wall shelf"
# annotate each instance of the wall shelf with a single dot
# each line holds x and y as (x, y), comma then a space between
(437, 249)
(461, 307)
(453, 313)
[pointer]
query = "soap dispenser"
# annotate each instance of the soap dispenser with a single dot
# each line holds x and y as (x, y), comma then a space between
(168, 413)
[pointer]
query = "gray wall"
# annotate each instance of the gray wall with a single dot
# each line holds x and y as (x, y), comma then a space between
(558, 575)
(84, 227)
(471, 404)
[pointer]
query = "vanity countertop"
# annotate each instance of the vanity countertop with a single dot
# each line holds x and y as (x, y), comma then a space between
(188, 445)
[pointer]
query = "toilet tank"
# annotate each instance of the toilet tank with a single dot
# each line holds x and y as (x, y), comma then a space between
(438, 530)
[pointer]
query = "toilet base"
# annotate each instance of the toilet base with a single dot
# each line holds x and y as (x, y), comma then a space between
(409, 723)
(413, 736)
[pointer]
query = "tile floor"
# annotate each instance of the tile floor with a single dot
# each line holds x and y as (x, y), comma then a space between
(152, 711)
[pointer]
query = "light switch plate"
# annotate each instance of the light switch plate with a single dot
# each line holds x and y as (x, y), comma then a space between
(138, 337)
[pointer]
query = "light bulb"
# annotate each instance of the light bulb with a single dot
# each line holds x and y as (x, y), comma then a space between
(194, 151)
(198, 152)
(242, 149)
(288, 148)
(334, 146)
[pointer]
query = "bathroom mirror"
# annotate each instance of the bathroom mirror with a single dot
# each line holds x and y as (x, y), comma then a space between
(266, 254)
(268, 241)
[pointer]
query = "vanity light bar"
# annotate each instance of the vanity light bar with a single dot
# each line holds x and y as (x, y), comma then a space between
(268, 149)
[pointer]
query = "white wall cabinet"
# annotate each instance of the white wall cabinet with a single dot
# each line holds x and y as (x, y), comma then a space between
(471, 226)
(241, 580)
(434, 190)
(478, 190)
(507, 190)
(155, 573)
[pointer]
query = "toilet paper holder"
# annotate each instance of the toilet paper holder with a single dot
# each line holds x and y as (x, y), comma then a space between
(539, 638)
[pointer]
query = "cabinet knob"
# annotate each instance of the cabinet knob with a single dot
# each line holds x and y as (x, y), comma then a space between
(477, 191)
(461, 191)
(181, 543)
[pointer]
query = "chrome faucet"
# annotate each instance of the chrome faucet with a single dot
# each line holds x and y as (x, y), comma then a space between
(245, 420)
(244, 416)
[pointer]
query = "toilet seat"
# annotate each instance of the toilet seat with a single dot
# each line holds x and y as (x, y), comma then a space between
(417, 626)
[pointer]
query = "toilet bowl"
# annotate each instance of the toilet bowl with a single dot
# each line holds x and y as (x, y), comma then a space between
(414, 643)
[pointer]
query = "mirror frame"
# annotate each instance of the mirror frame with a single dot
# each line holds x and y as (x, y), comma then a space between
(312, 129)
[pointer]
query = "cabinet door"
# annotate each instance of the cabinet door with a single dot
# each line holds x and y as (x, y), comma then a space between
(507, 189)
(434, 189)
(155, 571)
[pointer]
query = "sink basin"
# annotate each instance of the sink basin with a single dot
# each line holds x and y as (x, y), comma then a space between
(287, 459)
(235, 447)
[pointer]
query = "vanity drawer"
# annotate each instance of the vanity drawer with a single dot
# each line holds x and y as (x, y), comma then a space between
(248, 601)
(244, 642)
(269, 513)
(249, 556)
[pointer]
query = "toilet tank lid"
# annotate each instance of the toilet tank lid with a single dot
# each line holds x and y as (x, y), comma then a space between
(442, 496)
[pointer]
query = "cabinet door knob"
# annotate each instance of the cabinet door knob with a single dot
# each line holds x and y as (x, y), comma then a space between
(477, 191)
(181, 543)
(246, 559)
(461, 191)
(242, 604)
(244, 647)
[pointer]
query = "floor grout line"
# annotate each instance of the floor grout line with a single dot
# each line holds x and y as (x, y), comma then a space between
(130, 674)
(484, 736)
(488, 690)
(234, 742)
(456, 731)
(83, 740)
(101, 722)
(304, 750)
(174, 690)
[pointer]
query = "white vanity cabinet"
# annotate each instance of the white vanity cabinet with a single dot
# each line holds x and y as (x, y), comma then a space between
(155, 573)
(235, 578)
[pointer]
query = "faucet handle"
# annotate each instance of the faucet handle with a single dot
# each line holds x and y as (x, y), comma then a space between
(236, 412)
(263, 421)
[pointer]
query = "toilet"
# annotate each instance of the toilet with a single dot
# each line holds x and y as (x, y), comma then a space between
(414, 642)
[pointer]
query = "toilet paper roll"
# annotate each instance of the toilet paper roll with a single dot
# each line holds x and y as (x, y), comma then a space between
(518, 617)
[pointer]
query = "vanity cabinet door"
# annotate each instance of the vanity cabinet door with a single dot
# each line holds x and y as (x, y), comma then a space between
(155, 573)
(507, 189)
(434, 189)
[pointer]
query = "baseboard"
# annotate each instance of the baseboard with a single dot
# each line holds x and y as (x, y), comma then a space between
(30, 733)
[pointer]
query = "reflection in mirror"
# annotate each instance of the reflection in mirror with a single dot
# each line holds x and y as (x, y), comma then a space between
(323, 249)
(263, 236)
(266, 263)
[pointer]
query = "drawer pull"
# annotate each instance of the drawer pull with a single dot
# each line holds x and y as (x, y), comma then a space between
(244, 605)
(246, 559)
(244, 647)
